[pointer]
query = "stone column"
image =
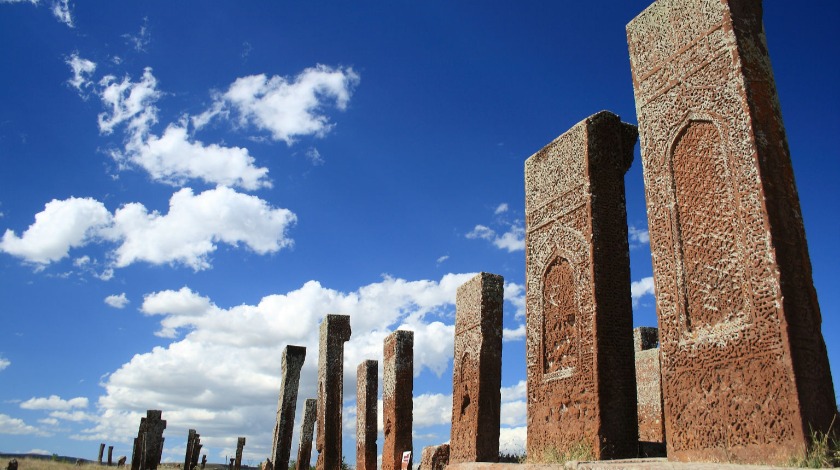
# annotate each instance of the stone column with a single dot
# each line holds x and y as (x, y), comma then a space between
(436, 457)
(581, 381)
(240, 444)
(397, 397)
(335, 331)
(188, 455)
(148, 446)
(291, 363)
(110, 455)
(367, 391)
(310, 414)
(745, 373)
(101, 453)
(649, 392)
(477, 370)
(203, 461)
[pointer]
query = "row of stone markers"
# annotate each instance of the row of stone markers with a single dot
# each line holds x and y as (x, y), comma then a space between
(744, 369)
(102, 451)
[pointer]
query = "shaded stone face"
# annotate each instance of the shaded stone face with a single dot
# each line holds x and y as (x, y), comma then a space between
(335, 331)
(397, 397)
(101, 452)
(110, 455)
(581, 381)
(745, 373)
(148, 446)
(477, 371)
(435, 457)
(310, 413)
(367, 390)
(291, 363)
(649, 392)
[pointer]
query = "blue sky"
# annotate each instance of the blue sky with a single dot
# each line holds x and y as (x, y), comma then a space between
(187, 187)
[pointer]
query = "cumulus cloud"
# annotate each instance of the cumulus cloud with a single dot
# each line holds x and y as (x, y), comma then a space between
(82, 69)
(15, 426)
(641, 288)
(637, 236)
(233, 355)
(4, 363)
(117, 300)
(54, 402)
(501, 208)
(512, 440)
(173, 157)
(186, 235)
(512, 240)
(62, 225)
(140, 40)
(61, 10)
(285, 107)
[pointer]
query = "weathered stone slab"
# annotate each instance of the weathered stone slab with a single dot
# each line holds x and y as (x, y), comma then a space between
(745, 373)
(110, 455)
(367, 391)
(310, 413)
(101, 453)
(477, 370)
(397, 397)
(193, 448)
(203, 461)
(148, 445)
(335, 331)
(240, 445)
(435, 457)
(291, 363)
(649, 392)
(581, 381)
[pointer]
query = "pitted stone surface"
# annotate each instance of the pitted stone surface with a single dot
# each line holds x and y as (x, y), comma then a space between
(581, 381)
(435, 457)
(477, 370)
(148, 446)
(291, 363)
(193, 449)
(397, 397)
(745, 373)
(335, 331)
(240, 445)
(310, 413)
(367, 391)
(649, 389)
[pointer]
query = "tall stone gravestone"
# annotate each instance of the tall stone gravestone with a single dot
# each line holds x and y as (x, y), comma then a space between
(649, 392)
(367, 391)
(291, 363)
(148, 445)
(477, 370)
(310, 413)
(240, 446)
(581, 377)
(335, 331)
(397, 398)
(744, 367)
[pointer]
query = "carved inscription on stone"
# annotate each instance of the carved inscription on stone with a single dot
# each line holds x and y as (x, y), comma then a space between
(581, 381)
(745, 373)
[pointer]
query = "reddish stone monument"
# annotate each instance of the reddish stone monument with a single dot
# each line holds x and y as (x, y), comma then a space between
(148, 445)
(335, 331)
(240, 445)
(291, 363)
(745, 373)
(435, 457)
(397, 397)
(310, 413)
(477, 370)
(367, 391)
(581, 381)
(649, 393)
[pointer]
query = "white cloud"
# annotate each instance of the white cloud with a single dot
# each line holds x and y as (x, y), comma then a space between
(49, 421)
(641, 288)
(129, 101)
(314, 156)
(9, 425)
(62, 225)
(75, 416)
(117, 300)
(140, 40)
(286, 107)
(512, 240)
(442, 259)
(512, 440)
(195, 225)
(233, 355)
(54, 402)
(515, 294)
(34, 2)
(4, 363)
(515, 392)
(39, 452)
(61, 10)
(187, 234)
(637, 236)
(501, 208)
(82, 71)
(516, 334)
